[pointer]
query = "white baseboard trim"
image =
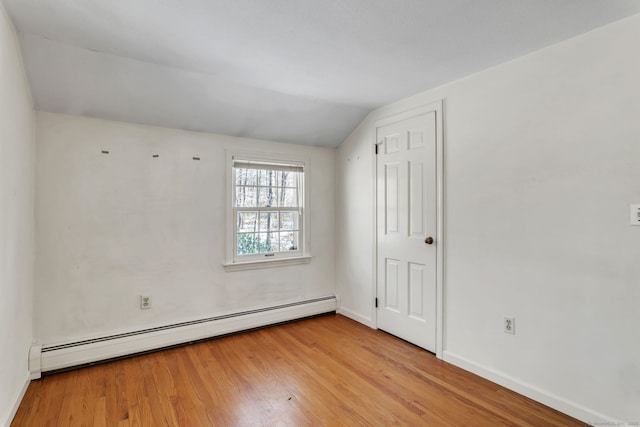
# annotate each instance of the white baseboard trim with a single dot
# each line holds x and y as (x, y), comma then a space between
(16, 402)
(356, 316)
(59, 356)
(546, 398)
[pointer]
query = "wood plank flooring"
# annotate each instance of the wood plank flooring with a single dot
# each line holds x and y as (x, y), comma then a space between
(327, 370)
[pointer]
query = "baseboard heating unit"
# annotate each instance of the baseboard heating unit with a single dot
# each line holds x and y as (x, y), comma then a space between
(52, 357)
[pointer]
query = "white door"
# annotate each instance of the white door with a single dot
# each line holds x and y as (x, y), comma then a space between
(406, 228)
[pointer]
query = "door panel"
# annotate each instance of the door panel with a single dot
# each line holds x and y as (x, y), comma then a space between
(391, 197)
(392, 279)
(406, 215)
(416, 199)
(416, 291)
(391, 143)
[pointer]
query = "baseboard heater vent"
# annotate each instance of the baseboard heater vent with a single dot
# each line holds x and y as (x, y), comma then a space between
(44, 358)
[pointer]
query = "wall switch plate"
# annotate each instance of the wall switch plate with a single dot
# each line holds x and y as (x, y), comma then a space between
(145, 302)
(509, 325)
(635, 215)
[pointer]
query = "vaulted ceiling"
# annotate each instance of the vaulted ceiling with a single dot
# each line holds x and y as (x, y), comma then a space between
(299, 71)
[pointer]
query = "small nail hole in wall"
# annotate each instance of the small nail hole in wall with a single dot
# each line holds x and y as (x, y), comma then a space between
(156, 155)
(196, 158)
(105, 152)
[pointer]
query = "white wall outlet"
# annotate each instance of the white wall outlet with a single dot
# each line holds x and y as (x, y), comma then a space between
(635, 215)
(509, 325)
(145, 302)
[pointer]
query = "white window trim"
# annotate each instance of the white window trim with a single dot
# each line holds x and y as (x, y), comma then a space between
(266, 263)
(302, 256)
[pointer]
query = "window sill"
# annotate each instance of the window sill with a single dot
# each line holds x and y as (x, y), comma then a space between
(254, 265)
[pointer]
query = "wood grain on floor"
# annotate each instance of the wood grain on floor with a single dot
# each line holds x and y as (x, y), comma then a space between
(326, 370)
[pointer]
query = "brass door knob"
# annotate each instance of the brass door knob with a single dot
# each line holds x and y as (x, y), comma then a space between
(429, 240)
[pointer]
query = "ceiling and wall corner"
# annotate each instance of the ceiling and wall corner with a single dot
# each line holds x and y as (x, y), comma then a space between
(294, 71)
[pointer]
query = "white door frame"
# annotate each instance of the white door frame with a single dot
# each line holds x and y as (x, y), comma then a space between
(437, 108)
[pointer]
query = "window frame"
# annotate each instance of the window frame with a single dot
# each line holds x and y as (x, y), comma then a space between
(236, 262)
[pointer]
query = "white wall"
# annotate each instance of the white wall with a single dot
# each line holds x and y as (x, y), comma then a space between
(542, 159)
(16, 221)
(113, 227)
(355, 216)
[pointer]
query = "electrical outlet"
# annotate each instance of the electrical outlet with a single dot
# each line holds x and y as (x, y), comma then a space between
(145, 302)
(509, 325)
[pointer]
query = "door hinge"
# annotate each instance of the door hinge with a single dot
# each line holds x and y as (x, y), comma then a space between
(376, 302)
(376, 148)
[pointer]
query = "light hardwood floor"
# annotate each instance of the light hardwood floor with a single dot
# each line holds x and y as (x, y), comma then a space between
(327, 370)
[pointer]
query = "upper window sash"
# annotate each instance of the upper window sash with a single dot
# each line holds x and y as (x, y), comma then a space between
(297, 168)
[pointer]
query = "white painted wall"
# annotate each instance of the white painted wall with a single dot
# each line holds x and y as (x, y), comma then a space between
(542, 159)
(113, 227)
(355, 226)
(16, 221)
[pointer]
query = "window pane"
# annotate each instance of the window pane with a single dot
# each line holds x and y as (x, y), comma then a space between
(269, 242)
(247, 244)
(288, 197)
(267, 178)
(266, 197)
(247, 222)
(287, 179)
(246, 197)
(275, 242)
(289, 220)
(269, 221)
(288, 241)
(246, 177)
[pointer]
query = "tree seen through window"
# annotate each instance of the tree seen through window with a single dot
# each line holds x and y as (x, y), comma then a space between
(267, 209)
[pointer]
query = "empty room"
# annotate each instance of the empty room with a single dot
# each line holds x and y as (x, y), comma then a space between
(304, 213)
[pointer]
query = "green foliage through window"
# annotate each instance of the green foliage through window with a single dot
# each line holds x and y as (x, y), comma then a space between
(250, 244)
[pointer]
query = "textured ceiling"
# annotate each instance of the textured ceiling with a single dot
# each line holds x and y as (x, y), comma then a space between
(300, 71)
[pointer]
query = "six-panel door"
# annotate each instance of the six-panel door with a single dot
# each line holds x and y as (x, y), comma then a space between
(406, 216)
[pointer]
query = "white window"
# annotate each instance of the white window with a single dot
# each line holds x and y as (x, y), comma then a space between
(267, 212)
